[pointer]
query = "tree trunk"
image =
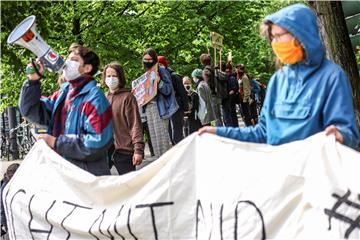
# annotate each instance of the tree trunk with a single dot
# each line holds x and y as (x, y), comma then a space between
(337, 42)
(76, 30)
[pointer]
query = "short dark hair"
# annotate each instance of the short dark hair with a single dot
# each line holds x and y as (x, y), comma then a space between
(88, 55)
(205, 59)
(10, 171)
(240, 66)
(223, 65)
(119, 72)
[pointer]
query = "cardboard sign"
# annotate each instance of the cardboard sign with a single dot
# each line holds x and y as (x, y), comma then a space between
(206, 187)
(144, 88)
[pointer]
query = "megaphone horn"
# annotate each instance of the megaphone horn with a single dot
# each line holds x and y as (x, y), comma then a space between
(25, 35)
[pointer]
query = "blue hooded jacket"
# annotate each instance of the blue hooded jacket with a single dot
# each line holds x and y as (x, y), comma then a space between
(303, 98)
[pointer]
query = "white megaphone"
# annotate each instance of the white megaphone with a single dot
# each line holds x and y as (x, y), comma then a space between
(25, 35)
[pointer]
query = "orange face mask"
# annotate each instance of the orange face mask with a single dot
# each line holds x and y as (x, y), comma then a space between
(288, 52)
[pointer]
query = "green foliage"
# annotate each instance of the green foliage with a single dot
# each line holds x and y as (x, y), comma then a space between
(122, 30)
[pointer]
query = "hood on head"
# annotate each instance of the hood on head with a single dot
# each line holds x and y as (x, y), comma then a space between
(301, 21)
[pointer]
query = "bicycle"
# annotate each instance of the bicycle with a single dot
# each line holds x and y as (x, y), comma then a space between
(5, 146)
(24, 138)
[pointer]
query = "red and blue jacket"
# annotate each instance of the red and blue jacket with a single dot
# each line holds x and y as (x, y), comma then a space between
(79, 117)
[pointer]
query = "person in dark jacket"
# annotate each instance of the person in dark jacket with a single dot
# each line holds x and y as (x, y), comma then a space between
(234, 95)
(78, 116)
(193, 121)
(176, 120)
(128, 135)
(10, 171)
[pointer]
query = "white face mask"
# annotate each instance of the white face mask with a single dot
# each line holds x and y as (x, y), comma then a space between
(71, 70)
(112, 83)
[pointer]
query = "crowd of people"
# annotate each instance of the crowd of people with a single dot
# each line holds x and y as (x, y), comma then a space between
(83, 123)
(306, 95)
(81, 118)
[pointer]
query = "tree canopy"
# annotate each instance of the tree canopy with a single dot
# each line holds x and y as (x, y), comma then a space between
(122, 30)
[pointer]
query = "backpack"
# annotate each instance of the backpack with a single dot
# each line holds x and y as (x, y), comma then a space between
(221, 84)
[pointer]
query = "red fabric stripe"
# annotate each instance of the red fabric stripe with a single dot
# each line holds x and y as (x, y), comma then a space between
(98, 122)
(53, 96)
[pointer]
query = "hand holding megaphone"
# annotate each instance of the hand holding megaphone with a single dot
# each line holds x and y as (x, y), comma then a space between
(35, 70)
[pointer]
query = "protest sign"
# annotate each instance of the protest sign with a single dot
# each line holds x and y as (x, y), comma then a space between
(206, 187)
(144, 87)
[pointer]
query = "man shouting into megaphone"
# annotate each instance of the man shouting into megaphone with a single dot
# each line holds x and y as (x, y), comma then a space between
(78, 116)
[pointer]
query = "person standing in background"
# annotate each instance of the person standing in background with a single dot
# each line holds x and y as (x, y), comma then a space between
(128, 134)
(209, 78)
(193, 120)
(205, 113)
(245, 92)
(160, 109)
(177, 119)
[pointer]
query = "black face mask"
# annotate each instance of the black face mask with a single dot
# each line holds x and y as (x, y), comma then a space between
(148, 65)
(187, 87)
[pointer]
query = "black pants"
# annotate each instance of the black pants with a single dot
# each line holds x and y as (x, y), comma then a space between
(246, 112)
(123, 162)
(225, 105)
(147, 133)
(176, 126)
(233, 114)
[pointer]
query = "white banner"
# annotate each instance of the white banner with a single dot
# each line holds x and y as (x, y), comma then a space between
(206, 187)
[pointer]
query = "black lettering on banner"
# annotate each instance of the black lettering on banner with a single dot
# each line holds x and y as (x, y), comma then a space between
(46, 218)
(212, 220)
(33, 230)
(221, 221)
(117, 217)
(75, 206)
(102, 218)
(7, 213)
(11, 202)
(152, 206)
(333, 213)
(198, 207)
(260, 214)
(128, 224)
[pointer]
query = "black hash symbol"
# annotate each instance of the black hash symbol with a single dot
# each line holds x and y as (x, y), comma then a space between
(332, 213)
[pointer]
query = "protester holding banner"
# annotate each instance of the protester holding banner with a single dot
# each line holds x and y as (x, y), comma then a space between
(78, 116)
(309, 94)
(206, 112)
(128, 135)
(159, 110)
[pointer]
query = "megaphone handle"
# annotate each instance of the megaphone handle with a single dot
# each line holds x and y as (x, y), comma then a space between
(35, 68)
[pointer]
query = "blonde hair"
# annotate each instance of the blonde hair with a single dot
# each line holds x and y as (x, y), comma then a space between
(186, 78)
